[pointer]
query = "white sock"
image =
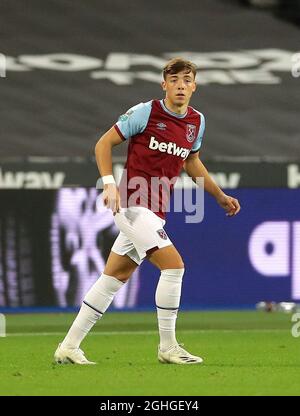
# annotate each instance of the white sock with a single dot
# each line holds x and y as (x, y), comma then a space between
(95, 303)
(167, 298)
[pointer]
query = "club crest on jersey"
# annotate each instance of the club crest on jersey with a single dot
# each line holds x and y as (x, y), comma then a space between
(190, 132)
(162, 234)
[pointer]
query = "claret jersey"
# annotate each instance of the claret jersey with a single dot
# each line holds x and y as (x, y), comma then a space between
(159, 142)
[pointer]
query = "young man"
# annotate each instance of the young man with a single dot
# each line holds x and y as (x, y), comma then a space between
(164, 136)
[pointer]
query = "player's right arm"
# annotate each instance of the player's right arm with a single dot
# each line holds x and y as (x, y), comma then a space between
(103, 153)
(134, 121)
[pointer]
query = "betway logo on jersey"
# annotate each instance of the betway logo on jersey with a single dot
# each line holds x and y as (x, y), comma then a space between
(171, 148)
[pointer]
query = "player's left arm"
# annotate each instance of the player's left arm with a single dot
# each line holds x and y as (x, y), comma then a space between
(196, 169)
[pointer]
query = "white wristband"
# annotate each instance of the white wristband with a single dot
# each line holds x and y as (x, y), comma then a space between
(108, 179)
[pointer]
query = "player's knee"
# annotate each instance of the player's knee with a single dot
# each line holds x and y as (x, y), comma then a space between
(176, 261)
(177, 264)
(122, 276)
(180, 266)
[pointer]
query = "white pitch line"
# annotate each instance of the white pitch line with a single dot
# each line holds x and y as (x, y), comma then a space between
(45, 334)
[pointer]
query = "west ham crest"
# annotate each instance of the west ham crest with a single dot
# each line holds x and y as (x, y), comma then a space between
(162, 234)
(190, 132)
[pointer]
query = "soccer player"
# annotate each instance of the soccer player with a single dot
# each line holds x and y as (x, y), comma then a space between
(164, 137)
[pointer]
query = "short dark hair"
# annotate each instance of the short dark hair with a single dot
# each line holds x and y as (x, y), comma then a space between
(177, 65)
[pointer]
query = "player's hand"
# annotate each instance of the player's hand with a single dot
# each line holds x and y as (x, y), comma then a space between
(230, 204)
(111, 197)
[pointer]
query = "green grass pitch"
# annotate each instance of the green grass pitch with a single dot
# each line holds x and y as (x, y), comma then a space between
(245, 353)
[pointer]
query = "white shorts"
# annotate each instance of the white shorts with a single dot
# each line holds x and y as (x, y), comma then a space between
(141, 232)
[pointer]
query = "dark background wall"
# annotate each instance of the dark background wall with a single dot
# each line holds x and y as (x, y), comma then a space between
(246, 89)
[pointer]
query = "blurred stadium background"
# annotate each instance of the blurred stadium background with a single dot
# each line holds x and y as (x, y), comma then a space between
(72, 69)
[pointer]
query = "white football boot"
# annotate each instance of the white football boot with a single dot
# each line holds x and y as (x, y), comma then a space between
(177, 355)
(70, 355)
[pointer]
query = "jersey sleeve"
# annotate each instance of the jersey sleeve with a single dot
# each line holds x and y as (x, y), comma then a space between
(134, 121)
(198, 141)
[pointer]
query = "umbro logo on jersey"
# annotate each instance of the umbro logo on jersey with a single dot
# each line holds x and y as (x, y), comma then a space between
(170, 148)
(161, 126)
